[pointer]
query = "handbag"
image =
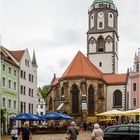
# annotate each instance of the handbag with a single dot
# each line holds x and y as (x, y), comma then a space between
(67, 137)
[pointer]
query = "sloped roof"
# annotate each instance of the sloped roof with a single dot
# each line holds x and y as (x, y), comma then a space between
(115, 79)
(82, 67)
(5, 55)
(17, 54)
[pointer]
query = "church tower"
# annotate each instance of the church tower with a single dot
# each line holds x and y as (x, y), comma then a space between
(102, 36)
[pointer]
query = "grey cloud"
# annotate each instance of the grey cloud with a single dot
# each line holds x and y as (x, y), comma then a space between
(63, 62)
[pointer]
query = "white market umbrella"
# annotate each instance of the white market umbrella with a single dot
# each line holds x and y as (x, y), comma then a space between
(113, 112)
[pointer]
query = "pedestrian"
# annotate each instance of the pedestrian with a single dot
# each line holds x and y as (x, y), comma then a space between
(14, 133)
(97, 133)
(25, 132)
(72, 132)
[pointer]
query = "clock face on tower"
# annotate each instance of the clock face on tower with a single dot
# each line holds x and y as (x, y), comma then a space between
(100, 14)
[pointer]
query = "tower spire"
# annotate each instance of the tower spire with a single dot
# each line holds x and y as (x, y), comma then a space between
(34, 59)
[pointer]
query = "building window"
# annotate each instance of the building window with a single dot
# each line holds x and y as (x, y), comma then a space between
(110, 15)
(29, 91)
(41, 113)
(9, 70)
(75, 99)
(134, 102)
(15, 85)
(100, 24)
(117, 98)
(100, 64)
(3, 67)
(24, 107)
(9, 103)
(9, 83)
(32, 78)
(21, 89)
(15, 72)
(38, 100)
(137, 68)
(41, 106)
(4, 102)
(24, 90)
(21, 107)
(91, 100)
(100, 45)
(15, 104)
(134, 86)
(21, 74)
(3, 81)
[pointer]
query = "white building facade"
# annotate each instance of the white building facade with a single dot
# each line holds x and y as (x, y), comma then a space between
(28, 84)
(41, 104)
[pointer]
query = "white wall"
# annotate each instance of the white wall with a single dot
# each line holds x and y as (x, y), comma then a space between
(25, 82)
(110, 91)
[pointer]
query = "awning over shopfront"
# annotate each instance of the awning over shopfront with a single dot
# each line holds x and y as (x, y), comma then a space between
(60, 106)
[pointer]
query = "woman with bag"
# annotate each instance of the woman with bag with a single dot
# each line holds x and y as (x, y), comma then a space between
(14, 133)
(97, 133)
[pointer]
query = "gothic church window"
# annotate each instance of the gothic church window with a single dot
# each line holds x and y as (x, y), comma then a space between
(117, 98)
(100, 45)
(75, 99)
(92, 41)
(91, 100)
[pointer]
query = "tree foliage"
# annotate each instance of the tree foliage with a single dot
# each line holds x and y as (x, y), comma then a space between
(3, 115)
(44, 91)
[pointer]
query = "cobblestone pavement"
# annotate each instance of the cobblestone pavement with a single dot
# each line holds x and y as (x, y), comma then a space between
(81, 136)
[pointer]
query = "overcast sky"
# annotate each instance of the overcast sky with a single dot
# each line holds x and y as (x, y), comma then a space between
(56, 30)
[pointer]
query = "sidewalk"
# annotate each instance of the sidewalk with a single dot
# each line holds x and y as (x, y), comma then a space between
(81, 136)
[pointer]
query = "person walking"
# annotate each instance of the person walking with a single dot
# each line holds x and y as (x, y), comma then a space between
(14, 133)
(72, 132)
(97, 133)
(25, 132)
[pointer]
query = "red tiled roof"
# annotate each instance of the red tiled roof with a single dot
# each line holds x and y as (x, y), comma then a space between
(54, 81)
(113, 79)
(18, 54)
(82, 67)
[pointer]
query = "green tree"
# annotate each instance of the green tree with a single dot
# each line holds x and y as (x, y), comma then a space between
(44, 91)
(3, 115)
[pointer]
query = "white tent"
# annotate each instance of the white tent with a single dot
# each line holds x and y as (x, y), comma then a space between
(113, 112)
(131, 112)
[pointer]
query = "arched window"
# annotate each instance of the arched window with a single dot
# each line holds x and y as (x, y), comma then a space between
(75, 99)
(117, 98)
(100, 24)
(100, 44)
(91, 100)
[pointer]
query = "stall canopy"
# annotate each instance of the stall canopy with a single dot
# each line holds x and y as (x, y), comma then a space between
(131, 112)
(113, 112)
(26, 116)
(56, 116)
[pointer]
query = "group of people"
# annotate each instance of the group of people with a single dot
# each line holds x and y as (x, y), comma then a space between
(72, 132)
(24, 133)
(97, 132)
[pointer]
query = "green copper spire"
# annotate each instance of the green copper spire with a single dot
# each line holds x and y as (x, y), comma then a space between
(99, 1)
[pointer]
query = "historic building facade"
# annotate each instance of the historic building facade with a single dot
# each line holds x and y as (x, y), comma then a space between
(9, 87)
(91, 84)
(41, 104)
(27, 81)
(133, 83)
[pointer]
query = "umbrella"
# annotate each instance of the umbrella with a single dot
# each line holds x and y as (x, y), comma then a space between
(131, 112)
(113, 112)
(56, 116)
(26, 116)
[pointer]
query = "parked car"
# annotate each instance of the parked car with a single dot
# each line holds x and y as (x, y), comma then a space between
(122, 132)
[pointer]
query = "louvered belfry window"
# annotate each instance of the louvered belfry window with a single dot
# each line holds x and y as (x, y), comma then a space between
(75, 99)
(91, 100)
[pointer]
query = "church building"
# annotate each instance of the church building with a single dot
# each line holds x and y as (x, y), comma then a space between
(91, 84)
